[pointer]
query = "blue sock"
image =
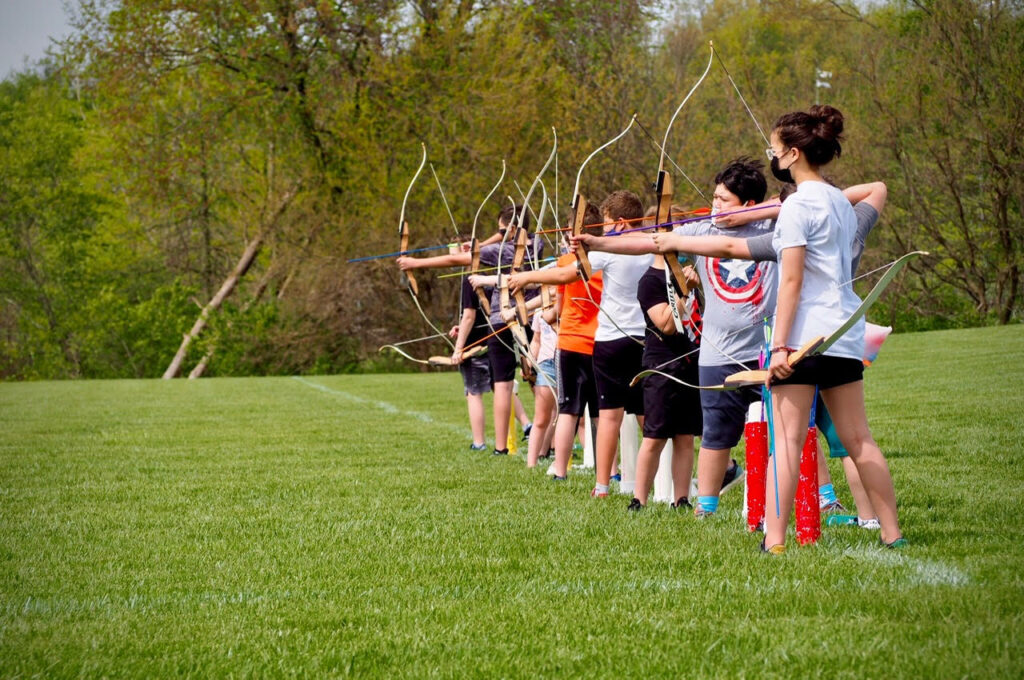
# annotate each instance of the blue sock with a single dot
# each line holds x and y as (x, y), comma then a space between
(708, 503)
(826, 494)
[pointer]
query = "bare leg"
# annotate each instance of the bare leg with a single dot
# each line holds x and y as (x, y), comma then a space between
(860, 497)
(846, 404)
(565, 434)
(550, 437)
(608, 425)
(711, 467)
(502, 404)
(682, 464)
(791, 407)
(475, 404)
(521, 416)
(646, 467)
(544, 401)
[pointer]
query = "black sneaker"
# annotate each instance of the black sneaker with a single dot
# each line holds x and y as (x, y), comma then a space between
(683, 502)
(635, 505)
(732, 475)
(526, 432)
(557, 478)
(500, 452)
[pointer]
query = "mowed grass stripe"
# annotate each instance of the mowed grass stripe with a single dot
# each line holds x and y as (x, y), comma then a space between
(268, 527)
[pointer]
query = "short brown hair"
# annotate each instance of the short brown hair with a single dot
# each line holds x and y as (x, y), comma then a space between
(623, 205)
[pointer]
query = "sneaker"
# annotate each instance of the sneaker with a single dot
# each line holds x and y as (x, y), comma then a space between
(616, 478)
(558, 478)
(500, 452)
(683, 502)
(898, 544)
(547, 456)
(841, 520)
(732, 475)
(594, 493)
(526, 431)
(701, 513)
(777, 549)
(635, 505)
(478, 447)
(834, 506)
(869, 523)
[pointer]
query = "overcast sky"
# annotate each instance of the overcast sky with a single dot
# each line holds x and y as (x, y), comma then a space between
(26, 27)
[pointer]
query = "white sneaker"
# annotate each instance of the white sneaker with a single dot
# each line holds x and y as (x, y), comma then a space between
(868, 523)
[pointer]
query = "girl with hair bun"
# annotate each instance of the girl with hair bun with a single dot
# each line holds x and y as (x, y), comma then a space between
(813, 237)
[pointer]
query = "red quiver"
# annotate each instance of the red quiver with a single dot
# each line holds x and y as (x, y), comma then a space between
(755, 436)
(808, 512)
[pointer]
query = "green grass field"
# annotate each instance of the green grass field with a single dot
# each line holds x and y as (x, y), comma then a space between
(332, 526)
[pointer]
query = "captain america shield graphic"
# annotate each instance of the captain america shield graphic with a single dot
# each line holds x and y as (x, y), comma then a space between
(735, 281)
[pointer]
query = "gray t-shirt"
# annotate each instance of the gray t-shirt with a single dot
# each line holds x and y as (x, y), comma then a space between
(738, 294)
(502, 254)
(761, 249)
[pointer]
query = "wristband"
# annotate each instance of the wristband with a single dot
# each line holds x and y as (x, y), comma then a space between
(781, 348)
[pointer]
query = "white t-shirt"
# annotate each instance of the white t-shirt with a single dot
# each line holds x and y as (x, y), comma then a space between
(820, 218)
(548, 337)
(620, 312)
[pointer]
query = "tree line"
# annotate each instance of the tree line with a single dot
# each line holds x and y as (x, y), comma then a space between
(202, 170)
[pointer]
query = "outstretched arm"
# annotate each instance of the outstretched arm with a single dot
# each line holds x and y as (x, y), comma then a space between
(630, 244)
(457, 260)
(708, 246)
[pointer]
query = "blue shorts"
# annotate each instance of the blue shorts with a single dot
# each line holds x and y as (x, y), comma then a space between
(546, 375)
(724, 412)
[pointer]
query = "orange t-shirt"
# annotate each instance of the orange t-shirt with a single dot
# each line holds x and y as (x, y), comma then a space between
(578, 322)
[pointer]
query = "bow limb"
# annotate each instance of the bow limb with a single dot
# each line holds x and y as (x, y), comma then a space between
(665, 188)
(408, 279)
(869, 299)
(401, 352)
(671, 122)
(579, 206)
(485, 303)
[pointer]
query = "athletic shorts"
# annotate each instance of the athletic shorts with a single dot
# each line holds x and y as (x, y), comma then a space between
(616, 362)
(546, 375)
(672, 409)
(825, 371)
(725, 412)
(826, 427)
(476, 375)
(501, 355)
(576, 387)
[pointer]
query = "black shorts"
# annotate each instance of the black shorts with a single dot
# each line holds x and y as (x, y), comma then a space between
(672, 409)
(616, 362)
(476, 375)
(576, 386)
(825, 371)
(501, 355)
(725, 412)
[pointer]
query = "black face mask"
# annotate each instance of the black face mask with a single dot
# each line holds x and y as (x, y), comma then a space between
(784, 176)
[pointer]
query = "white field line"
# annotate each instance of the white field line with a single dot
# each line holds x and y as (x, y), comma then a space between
(923, 572)
(385, 406)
